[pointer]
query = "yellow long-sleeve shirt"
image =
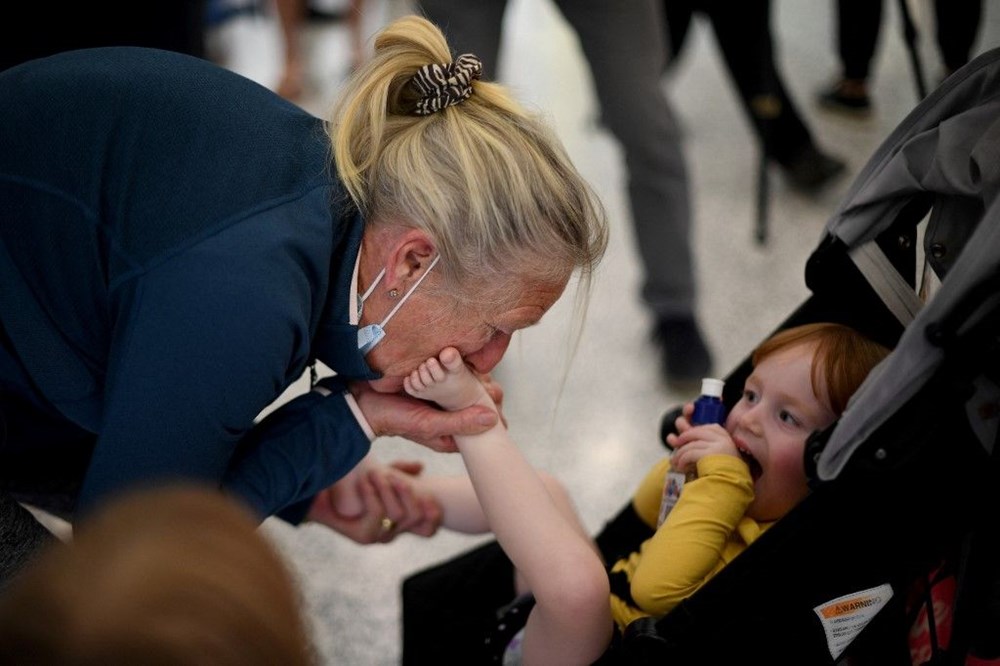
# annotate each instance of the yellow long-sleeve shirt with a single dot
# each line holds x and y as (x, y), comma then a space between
(703, 532)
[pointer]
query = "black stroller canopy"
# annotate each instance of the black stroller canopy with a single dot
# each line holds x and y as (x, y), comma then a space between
(906, 484)
(948, 148)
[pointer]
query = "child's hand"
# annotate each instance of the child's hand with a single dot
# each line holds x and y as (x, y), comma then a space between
(696, 442)
(345, 495)
(681, 423)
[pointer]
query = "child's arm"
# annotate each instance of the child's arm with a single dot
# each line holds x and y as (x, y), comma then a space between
(460, 509)
(689, 547)
(571, 620)
(561, 568)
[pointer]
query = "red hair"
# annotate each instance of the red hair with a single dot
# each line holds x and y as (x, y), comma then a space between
(842, 359)
(165, 576)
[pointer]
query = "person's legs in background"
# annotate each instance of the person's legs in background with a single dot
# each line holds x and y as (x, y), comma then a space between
(625, 51)
(677, 15)
(858, 24)
(957, 28)
(743, 32)
(471, 27)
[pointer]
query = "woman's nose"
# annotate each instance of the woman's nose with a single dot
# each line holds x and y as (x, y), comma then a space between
(486, 358)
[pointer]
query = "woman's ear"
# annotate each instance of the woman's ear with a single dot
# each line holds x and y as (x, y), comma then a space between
(411, 255)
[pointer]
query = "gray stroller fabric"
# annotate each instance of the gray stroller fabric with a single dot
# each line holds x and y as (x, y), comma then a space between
(949, 146)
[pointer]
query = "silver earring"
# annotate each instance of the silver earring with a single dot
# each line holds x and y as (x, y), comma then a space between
(393, 294)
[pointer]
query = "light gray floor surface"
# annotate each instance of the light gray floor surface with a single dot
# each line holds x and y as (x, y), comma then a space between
(591, 417)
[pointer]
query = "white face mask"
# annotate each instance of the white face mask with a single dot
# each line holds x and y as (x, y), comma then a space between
(372, 334)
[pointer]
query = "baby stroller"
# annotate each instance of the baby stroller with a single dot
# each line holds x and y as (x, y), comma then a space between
(906, 486)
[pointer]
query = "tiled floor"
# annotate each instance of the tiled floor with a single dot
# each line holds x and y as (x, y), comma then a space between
(591, 416)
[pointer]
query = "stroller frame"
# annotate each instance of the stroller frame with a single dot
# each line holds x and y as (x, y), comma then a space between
(909, 475)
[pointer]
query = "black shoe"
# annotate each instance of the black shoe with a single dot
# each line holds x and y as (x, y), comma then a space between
(839, 98)
(811, 169)
(686, 359)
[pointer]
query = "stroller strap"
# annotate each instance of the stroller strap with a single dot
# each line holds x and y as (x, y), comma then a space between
(897, 295)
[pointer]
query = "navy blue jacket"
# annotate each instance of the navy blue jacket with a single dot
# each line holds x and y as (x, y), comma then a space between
(175, 249)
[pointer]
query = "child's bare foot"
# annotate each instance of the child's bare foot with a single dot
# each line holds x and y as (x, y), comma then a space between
(446, 381)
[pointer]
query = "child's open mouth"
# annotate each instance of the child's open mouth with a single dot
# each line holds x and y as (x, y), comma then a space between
(755, 469)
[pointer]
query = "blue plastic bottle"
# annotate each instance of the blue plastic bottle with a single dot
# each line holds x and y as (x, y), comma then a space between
(708, 408)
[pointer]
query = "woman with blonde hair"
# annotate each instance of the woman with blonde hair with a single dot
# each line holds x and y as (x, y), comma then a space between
(179, 244)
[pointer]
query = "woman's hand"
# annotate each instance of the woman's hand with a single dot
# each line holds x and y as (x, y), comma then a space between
(390, 504)
(396, 414)
(418, 512)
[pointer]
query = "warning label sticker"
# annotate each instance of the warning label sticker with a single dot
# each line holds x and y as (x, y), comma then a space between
(845, 617)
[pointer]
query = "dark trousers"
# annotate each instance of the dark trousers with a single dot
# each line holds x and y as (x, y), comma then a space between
(624, 47)
(859, 22)
(743, 34)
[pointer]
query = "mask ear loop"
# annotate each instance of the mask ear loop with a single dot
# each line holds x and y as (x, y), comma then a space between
(368, 292)
(372, 334)
(407, 294)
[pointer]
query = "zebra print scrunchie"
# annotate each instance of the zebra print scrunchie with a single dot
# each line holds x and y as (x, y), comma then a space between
(441, 86)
